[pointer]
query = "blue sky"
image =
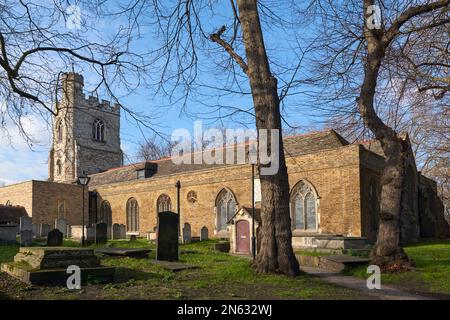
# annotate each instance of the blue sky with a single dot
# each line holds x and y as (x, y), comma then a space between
(19, 161)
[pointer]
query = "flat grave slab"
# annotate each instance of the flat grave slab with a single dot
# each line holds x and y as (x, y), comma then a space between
(125, 252)
(173, 266)
(48, 265)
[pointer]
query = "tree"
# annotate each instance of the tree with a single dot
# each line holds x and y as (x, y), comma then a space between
(40, 40)
(154, 149)
(181, 29)
(360, 57)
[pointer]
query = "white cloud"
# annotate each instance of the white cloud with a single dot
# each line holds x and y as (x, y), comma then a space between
(20, 160)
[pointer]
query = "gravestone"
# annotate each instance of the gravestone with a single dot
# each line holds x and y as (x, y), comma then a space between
(204, 234)
(35, 228)
(26, 238)
(44, 229)
(61, 225)
(167, 237)
(186, 233)
(123, 231)
(68, 231)
(54, 238)
(26, 224)
(109, 232)
(101, 233)
(116, 231)
(133, 238)
(8, 233)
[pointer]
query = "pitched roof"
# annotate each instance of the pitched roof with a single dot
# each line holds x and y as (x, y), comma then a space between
(294, 146)
(12, 213)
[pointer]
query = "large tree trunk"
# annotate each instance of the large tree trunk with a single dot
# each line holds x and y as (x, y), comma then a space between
(275, 254)
(387, 250)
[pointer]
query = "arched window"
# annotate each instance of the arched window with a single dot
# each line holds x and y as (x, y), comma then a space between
(59, 133)
(58, 167)
(132, 215)
(303, 207)
(98, 130)
(61, 209)
(226, 208)
(163, 203)
(105, 213)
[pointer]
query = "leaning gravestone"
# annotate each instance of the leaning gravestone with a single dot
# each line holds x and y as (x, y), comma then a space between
(54, 238)
(101, 233)
(26, 238)
(61, 225)
(167, 237)
(186, 233)
(44, 229)
(204, 234)
(26, 224)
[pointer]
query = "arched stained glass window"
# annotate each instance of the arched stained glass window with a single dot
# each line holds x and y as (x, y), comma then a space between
(304, 207)
(164, 203)
(105, 214)
(226, 208)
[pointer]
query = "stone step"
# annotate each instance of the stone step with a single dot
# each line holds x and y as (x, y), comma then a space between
(336, 263)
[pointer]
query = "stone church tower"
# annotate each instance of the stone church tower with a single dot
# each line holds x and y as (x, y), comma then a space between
(86, 133)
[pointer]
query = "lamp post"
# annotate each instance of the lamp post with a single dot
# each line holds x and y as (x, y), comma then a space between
(178, 186)
(83, 180)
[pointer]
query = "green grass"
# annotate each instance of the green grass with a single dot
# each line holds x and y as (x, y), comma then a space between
(432, 273)
(218, 276)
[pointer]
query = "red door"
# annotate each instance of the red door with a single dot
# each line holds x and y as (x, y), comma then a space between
(243, 236)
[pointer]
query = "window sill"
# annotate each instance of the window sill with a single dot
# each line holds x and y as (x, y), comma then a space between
(99, 141)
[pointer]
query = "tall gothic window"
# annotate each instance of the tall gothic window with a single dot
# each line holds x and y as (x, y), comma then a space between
(105, 214)
(164, 203)
(226, 208)
(98, 130)
(58, 167)
(303, 207)
(59, 133)
(61, 209)
(132, 215)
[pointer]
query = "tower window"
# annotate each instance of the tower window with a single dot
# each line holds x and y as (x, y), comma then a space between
(59, 135)
(98, 130)
(58, 167)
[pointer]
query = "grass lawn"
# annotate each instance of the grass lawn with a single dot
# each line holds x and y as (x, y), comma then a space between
(432, 274)
(219, 276)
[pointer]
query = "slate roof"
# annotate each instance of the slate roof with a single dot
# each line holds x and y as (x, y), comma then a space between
(294, 146)
(12, 214)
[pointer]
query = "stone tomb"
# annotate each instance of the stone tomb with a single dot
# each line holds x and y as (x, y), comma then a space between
(44, 229)
(167, 236)
(48, 266)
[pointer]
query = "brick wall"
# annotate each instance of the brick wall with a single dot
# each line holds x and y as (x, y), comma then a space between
(18, 194)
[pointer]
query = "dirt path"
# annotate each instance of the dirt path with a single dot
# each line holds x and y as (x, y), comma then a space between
(385, 293)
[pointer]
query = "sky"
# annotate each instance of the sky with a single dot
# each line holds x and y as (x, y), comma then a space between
(20, 161)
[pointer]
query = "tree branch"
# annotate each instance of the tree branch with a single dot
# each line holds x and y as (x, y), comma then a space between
(216, 37)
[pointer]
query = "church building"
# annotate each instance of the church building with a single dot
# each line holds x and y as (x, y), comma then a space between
(334, 185)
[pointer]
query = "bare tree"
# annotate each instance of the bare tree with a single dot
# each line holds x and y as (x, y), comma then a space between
(154, 148)
(363, 54)
(190, 43)
(40, 40)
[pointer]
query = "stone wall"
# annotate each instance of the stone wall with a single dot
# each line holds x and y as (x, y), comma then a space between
(41, 200)
(333, 173)
(18, 194)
